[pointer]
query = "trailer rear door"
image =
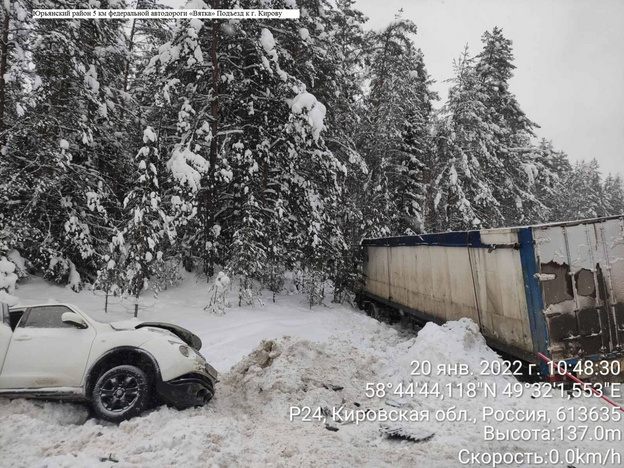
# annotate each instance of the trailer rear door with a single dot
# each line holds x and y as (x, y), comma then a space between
(582, 274)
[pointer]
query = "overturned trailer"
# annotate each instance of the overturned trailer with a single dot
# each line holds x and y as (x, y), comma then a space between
(557, 289)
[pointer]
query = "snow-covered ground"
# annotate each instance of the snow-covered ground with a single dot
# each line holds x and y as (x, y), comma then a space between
(226, 339)
(328, 357)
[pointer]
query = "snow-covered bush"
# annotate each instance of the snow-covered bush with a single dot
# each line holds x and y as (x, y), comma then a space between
(274, 279)
(167, 275)
(8, 277)
(63, 270)
(21, 264)
(298, 280)
(217, 295)
(315, 285)
(109, 279)
(249, 292)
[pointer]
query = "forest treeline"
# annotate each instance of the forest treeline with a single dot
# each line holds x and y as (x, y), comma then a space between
(129, 148)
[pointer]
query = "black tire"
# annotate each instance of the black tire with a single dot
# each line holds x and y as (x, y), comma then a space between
(121, 393)
(372, 310)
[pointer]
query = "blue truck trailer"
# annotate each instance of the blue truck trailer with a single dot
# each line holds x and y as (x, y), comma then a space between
(555, 289)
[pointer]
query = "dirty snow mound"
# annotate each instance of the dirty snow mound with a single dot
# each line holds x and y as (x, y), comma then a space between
(289, 372)
(248, 424)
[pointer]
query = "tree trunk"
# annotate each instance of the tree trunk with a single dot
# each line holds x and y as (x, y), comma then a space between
(138, 287)
(241, 287)
(127, 70)
(211, 192)
(4, 52)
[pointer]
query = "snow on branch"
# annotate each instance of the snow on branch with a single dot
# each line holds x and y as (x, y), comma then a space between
(316, 111)
(187, 167)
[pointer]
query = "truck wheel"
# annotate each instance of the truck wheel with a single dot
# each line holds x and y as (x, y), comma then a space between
(372, 310)
(121, 393)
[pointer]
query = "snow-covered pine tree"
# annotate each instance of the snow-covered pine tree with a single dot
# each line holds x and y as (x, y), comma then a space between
(593, 189)
(248, 252)
(304, 178)
(15, 78)
(270, 159)
(511, 131)
(184, 89)
(4, 56)
(614, 195)
(460, 192)
(57, 157)
(138, 106)
(17, 86)
(248, 259)
(146, 231)
(392, 133)
(583, 193)
(547, 170)
(299, 179)
(109, 277)
(325, 50)
(485, 163)
(414, 177)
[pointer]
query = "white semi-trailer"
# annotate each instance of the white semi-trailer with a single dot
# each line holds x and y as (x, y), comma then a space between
(555, 289)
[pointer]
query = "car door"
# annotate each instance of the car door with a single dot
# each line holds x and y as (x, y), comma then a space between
(46, 352)
(5, 332)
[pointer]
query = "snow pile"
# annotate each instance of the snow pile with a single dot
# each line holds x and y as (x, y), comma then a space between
(49, 413)
(59, 435)
(289, 372)
(458, 342)
(248, 422)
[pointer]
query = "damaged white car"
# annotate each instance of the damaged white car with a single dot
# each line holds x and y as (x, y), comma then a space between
(56, 351)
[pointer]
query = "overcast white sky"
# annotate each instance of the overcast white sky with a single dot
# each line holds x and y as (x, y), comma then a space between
(569, 54)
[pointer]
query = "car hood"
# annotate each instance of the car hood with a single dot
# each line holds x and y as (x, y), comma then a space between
(185, 335)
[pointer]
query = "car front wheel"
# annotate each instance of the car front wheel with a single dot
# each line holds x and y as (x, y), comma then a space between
(121, 393)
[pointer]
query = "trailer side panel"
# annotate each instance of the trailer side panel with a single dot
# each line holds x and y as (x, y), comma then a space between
(477, 275)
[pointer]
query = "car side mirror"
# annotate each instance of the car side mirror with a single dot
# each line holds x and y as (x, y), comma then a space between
(74, 319)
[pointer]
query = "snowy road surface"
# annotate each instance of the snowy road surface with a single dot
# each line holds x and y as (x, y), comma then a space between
(330, 356)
